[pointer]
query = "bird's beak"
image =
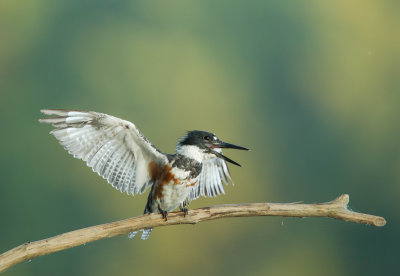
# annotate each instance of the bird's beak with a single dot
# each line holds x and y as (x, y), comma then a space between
(221, 145)
(224, 145)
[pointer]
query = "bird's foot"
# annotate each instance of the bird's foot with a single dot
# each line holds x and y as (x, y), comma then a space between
(185, 211)
(163, 213)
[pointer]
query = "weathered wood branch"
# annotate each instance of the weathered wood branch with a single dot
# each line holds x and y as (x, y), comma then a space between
(334, 209)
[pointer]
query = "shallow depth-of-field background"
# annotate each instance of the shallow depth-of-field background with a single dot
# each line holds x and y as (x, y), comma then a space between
(312, 87)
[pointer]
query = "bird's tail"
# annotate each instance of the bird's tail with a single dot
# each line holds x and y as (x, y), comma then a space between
(145, 233)
(147, 210)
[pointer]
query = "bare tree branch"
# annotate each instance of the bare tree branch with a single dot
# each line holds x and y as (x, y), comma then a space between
(334, 209)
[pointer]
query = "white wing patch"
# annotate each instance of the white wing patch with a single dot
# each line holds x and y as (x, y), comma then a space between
(213, 174)
(112, 147)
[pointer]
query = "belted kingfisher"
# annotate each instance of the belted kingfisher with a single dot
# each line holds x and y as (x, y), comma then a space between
(121, 154)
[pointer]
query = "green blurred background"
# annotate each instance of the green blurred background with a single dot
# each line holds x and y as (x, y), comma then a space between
(312, 87)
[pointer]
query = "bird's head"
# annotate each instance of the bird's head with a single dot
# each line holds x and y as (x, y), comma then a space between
(201, 145)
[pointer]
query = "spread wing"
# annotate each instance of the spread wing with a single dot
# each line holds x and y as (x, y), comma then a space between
(112, 147)
(213, 174)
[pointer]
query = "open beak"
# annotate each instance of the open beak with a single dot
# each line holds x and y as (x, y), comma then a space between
(229, 146)
(222, 145)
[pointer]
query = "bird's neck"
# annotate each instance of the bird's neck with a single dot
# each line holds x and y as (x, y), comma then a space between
(192, 152)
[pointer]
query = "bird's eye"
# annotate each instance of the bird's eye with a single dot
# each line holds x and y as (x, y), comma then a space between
(208, 138)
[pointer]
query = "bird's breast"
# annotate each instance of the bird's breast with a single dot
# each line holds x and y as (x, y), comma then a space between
(170, 182)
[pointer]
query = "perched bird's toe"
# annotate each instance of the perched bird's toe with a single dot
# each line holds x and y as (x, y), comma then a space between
(165, 215)
(185, 211)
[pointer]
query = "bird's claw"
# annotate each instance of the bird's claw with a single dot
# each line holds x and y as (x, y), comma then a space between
(185, 211)
(164, 214)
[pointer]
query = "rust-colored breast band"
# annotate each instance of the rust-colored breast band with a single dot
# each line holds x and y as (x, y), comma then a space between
(161, 176)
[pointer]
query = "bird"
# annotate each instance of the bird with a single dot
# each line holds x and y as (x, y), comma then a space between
(117, 150)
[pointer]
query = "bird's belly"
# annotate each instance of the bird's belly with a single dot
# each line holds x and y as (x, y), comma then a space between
(174, 195)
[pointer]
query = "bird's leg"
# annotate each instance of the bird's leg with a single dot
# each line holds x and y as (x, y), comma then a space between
(183, 208)
(163, 213)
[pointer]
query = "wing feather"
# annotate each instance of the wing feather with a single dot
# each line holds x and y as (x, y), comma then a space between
(214, 174)
(112, 147)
